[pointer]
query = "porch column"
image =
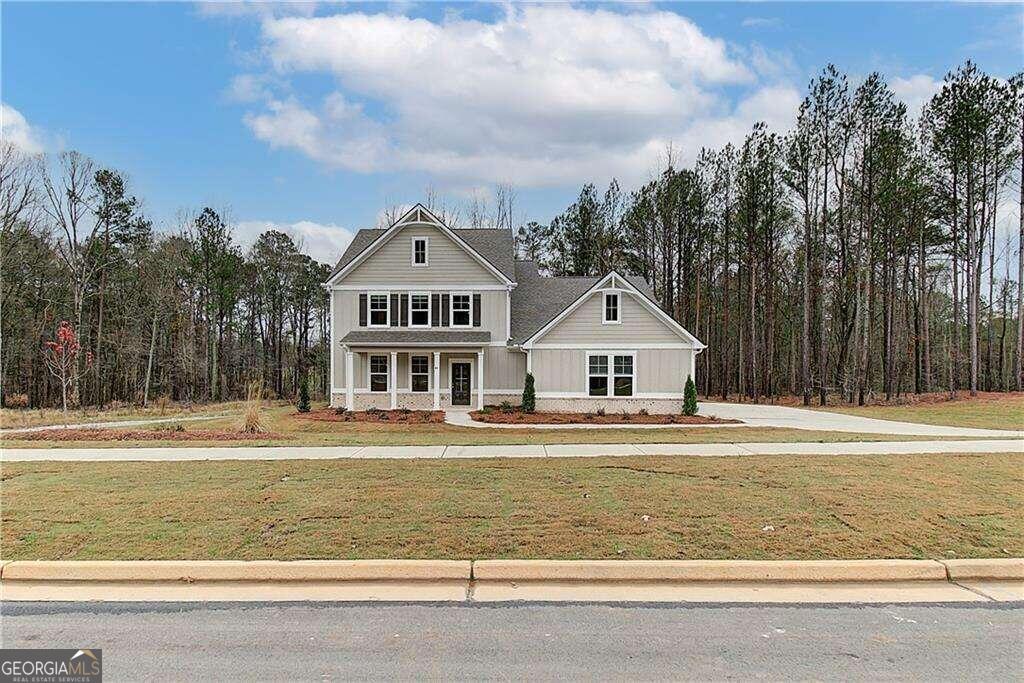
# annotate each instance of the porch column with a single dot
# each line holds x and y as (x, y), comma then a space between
(349, 381)
(437, 380)
(393, 382)
(480, 380)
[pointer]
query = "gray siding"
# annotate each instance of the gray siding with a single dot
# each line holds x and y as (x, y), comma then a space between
(583, 326)
(391, 264)
(657, 371)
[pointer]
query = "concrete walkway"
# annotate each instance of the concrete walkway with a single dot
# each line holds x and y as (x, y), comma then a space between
(507, 451)
(762, 415)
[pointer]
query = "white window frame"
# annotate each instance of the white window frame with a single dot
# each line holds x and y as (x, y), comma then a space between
(618, 309)
(369, 308)
(611, 375)
(451, 309)
(426, 251)
(370, 373)
(428, 373)
(430, 309)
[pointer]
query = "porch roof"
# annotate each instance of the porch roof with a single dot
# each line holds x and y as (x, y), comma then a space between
(392, 337)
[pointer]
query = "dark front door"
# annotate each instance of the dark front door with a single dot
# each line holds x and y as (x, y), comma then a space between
(460, 384)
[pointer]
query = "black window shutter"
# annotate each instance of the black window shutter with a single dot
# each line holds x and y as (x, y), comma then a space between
(405, 310)
(394, 310)
(435, 306)
(476, 310)
(362, 310)
(444, 310)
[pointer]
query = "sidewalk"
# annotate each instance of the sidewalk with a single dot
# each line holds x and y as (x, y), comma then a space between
(509, 451)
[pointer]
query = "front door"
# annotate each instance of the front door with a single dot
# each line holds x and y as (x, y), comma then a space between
(461, 384)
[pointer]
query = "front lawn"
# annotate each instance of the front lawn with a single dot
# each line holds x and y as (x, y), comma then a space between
(985, 411)
(644, 507)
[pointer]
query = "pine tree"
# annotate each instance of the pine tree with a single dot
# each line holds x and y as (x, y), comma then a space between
(529, 395)
(690, 397)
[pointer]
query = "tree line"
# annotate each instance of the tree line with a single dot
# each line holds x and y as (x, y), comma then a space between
(856, 254)
(187, 315)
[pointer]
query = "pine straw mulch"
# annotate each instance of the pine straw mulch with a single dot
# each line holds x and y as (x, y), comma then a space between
(399, 416)
(516, 417)
(142, 435)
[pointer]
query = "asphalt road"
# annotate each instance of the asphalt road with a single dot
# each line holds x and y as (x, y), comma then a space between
(328, 641)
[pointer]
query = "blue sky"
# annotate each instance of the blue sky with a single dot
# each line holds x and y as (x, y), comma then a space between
(316, 117)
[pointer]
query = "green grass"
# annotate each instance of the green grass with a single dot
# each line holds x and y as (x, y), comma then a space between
(986, 411)
(836, 507)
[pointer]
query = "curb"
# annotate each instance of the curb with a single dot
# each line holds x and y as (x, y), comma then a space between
(479, 571)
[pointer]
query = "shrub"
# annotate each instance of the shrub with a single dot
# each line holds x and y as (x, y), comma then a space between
(626, 416)
(16, 400)
(600, 411)
(487, 410)
(690, 397)
(304, 394)
(507, 407)
(529, 395)
(252, 420)
(643, 411)
(340, 410)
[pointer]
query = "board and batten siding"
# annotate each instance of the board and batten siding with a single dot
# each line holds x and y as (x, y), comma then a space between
(583, 325)
(448, 263)
(657, 371)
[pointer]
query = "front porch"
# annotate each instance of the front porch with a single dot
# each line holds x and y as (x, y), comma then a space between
(412, 374)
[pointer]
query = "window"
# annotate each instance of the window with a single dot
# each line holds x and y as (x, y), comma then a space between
(611, 309)
(420, 251)
(462, 310)
(378, 373)
(419, 310)
(379, 310)
(597, 371)
(604, 372)
(419, 373)
(623, 375)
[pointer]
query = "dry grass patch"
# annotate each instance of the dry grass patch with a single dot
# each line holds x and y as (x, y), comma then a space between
(645, 507)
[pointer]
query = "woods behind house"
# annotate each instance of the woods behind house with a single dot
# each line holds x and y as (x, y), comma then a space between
(863, 252)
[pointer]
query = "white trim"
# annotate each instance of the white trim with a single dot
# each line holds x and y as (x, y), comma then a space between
(411, 217)
(369, 308)
(393, 371)
(426, 251)
(330, 338)
(604, 307)
(350, 380)
(429, 373)
(451, 311)
(508, 314)
(370, 347)
(638, 347)
(480, 380)
(490, 392)
(452, 361)
(430, 309)
(437, 379)
(609, 373)
(395, 287)
(635, 396)
(386, 373)
(627, 287)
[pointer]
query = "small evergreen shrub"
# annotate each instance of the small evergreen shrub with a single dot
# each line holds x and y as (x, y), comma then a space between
(340, 410)
(690, 397)
(529, 395)
(304, 395)
(642, 411)
(507, 407)
(600, 411)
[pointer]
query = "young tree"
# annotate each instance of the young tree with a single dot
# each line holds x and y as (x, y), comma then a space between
(61, 357)
(529, 403)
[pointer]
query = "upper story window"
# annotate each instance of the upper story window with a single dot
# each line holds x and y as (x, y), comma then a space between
(420, 252)
(462, 310)
(380, 310)
(611, 309)
(419, 310)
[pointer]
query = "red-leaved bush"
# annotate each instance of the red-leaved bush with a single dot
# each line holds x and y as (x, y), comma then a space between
(62, 359)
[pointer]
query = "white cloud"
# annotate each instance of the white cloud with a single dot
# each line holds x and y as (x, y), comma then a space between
(915, 91)
(245, 8)
(15, 129)
(323, 242)
(547, 94)
(761, 22)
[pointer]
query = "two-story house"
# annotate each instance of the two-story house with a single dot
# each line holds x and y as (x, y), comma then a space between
(428, 317)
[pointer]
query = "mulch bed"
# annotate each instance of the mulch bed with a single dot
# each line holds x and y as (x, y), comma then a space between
(140, 435)
(516, 417)
(400, 416)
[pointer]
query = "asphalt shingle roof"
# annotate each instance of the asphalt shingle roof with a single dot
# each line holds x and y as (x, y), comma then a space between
(495, 245)
(405, 336)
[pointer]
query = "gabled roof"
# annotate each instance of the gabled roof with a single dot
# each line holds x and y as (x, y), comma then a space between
(493, 247)
(538, 300)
